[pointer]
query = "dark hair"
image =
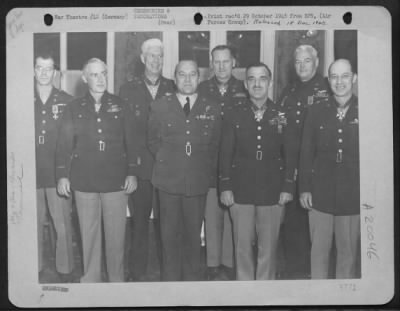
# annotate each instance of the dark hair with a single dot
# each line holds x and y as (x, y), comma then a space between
(223, 47)
(45, 54)
(259, 64)
(186, 60)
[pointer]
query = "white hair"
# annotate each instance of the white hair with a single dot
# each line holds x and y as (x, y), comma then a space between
(306, 48)
(154, 42)
(91, 61)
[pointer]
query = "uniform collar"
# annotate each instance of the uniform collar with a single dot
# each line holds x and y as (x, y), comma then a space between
(90, 99)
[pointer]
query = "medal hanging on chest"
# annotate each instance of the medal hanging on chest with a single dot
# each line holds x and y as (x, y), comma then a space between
(340, 115)
(258, 115)
(55, 111)
(222, 90)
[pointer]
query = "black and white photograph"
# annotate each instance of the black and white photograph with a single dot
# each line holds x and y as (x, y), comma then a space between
(221, 152)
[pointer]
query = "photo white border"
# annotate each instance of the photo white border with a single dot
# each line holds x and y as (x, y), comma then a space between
(376, 168)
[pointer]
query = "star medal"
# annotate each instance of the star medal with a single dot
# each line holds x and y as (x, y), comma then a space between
(55, 111)
(222, 90)
(340, 115)
(258, 115)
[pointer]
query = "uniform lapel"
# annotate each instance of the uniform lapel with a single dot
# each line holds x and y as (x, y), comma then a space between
(162, 88)
(145, 90)
(175, 104)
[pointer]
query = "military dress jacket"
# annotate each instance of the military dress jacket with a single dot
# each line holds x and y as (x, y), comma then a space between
(97, 150)
(47, 124)
(329, 162)
(296, 98)
(234, 94)
(138, 97)
(251, 158)
(185, 147)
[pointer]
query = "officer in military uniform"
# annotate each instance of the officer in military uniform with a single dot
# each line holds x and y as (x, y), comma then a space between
(255, 181)
(139, 93)
(184, 130)
(226, 90)
(49, 106)
(330, 175)
(308, 88)
(97, 159)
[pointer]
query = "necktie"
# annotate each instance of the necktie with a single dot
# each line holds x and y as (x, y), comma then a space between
(186, 107)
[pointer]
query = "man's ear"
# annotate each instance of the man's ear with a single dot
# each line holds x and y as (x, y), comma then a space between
(317, 62)
(142, 58)
(355, 78)
(84, 79)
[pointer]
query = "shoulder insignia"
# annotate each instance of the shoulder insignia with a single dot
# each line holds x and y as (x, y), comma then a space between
(240, 94)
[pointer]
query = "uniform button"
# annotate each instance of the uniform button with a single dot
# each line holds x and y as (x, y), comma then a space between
(340, 130)
(98, 120)
(44, 111)
(79, 116)
(169, 124)
(340, 150)
(299, 104)
(222, 104)
(187, 132)
(115, 117)
(340, 140)
(298, 112)
(297, 121)
(258, 146)
(206, 126)
(75, 155)
(99, 130)
(258, 137)
(259, 128)
(187, 121)
(44, 121)
(222, 113)
(43, 132)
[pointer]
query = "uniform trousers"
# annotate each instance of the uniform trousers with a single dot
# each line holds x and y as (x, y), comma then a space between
(181, 218)
(60, 213)
(219, 239)
(140, 204)
(250, 224)
(346, 230)
(94, 210)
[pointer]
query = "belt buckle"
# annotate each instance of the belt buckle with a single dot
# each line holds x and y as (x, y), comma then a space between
(339, 156)
(41, 140)
(188, 148)
(102, 145)
(259, 155)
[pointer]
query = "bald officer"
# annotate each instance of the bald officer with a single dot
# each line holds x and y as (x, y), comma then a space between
(255, 180)
(97, 159)
(184, 130)
(308, 88)
(226, 90)
(330, 175)
(139, 94)
(49, 107)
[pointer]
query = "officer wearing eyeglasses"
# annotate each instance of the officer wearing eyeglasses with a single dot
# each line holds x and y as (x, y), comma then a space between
(330, 175)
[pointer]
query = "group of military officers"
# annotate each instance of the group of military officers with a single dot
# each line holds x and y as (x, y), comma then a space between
(219, 152)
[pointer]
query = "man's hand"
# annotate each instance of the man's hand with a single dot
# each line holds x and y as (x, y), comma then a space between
(130, 184)
(227, 198)
(306, 200)
(284, 198)
(64, 187)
